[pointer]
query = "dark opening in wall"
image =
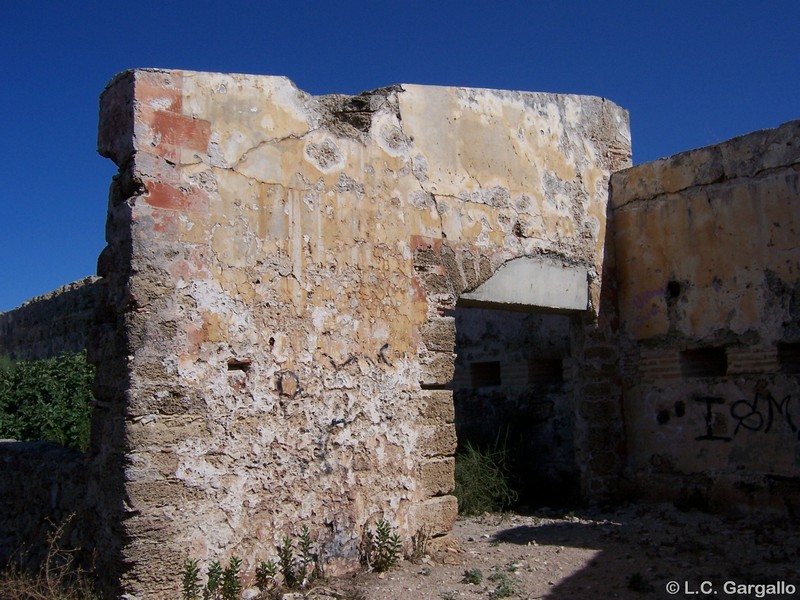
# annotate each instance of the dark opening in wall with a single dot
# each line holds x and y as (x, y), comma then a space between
(235, 364)
(673, 292)
(512, 393)
(485, 374)
(789, 357)
(704, 362)
(546, 371)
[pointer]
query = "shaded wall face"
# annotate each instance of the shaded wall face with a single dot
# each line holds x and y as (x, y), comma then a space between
(513, 388)
(278, 265)
(50, 324)
(709, 275)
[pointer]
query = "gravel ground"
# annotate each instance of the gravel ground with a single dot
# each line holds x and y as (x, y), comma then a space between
(632, 552)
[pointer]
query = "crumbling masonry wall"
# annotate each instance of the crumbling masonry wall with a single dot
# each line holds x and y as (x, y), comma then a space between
(272, 346)
(709, 293)
(47, 325)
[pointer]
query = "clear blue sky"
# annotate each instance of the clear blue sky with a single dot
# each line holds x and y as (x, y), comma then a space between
(690, 73)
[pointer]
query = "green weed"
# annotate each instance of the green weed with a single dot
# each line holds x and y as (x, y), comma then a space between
(473, 576)
(482, 479)
(381, 550)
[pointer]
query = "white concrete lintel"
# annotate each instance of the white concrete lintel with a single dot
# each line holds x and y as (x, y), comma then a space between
(534, 282)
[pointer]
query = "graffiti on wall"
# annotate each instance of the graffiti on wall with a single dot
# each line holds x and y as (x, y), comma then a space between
(764, 410)
(759, 414)
(709, 419)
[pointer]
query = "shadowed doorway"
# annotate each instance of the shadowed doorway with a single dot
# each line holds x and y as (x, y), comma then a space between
(513, 389)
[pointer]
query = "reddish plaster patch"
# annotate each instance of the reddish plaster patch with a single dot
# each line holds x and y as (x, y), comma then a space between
(195, 336)
(171, 132)
(183, 198)
(420, 241)
(160, 91)
(418, 294)
(165, 223)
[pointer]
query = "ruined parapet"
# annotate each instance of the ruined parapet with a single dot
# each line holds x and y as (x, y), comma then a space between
(271, 346)
(709, 272)
(47, 325)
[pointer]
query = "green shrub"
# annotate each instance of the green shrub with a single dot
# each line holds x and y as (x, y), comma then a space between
(482, 480)
(47, 400)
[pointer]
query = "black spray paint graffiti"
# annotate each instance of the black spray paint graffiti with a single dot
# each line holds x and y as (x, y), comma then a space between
(757, 415)
(750, 415)
(709, 416)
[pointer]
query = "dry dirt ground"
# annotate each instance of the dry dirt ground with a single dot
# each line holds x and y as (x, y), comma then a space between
(631, 552)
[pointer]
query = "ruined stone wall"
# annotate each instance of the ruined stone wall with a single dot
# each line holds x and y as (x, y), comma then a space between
(45, 326)
(709, 293)
(271, 346)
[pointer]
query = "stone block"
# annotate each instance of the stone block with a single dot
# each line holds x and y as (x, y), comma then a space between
(437, 405)
(439, 335)
(437, 476)
(438, 441)
(437, 368)
(435, 515)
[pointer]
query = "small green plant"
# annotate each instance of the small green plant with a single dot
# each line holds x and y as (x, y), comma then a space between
(482, 479)
(191, 580)
(266, 572)
(298, 567)
(286, 562)
(306, 563)
(505, 587)
(299, 571)
(473, 576)
(221, 584)
(231, 585)
(214, 579)
(382, 548)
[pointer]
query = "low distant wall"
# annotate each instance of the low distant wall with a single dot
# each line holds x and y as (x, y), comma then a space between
(709, 295)
(50, 324)
(41, 485)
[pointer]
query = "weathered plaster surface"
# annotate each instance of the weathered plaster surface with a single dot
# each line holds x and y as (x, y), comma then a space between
(271, 341)
(707, 253)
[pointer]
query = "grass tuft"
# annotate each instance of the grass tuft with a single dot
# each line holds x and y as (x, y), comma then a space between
(482, 480)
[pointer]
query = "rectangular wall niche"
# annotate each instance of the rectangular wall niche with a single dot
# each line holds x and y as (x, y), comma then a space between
(704, 362)
(789, 357)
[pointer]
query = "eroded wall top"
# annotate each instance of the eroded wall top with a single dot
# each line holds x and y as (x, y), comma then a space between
(513, 172)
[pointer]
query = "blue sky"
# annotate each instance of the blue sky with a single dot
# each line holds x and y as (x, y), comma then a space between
(690, 73)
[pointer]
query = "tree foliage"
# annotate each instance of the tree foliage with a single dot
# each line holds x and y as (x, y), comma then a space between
(47, 400)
